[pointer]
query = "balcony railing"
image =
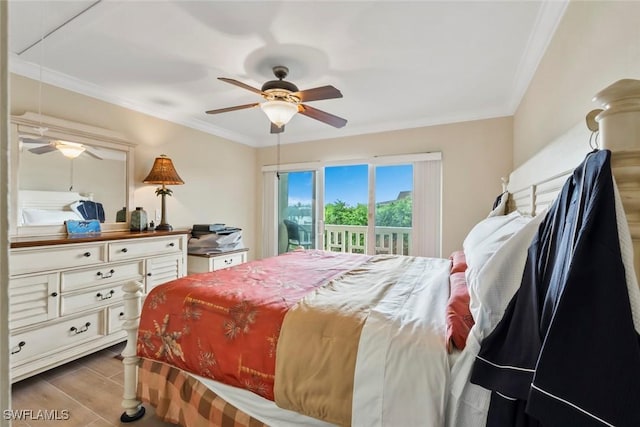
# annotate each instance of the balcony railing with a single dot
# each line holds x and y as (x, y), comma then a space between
(353, 238)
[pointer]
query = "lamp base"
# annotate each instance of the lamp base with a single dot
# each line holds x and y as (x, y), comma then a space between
(164, 227)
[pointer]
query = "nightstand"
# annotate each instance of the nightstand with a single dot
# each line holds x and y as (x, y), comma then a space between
(202, 263)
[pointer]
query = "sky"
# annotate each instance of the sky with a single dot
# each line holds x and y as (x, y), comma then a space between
(349, 184)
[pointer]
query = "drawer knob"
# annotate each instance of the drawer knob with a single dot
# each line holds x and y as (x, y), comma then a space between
(125, 250)
(121, 315)
(172, 244)
(19, 349)
(106, 275)
(149, 274)
(107, 296)
(86, 254)
(82, 329)
(54, 294)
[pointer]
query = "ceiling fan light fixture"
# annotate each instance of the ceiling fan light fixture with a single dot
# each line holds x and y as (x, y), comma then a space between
(70, 150)
(279, 112)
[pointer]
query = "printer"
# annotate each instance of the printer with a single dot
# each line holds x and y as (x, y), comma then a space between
(214, 238)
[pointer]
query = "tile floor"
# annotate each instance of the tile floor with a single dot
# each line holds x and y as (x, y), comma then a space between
(90, 389)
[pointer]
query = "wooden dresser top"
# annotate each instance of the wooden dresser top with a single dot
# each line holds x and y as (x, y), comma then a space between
(33, 241)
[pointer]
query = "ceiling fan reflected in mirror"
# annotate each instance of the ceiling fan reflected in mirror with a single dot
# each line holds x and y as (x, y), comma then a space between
(68, 149)
(283, 99)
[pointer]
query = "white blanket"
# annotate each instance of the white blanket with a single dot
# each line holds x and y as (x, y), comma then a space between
(402, 368)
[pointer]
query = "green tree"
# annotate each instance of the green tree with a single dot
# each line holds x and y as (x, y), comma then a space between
(397, 213)
(339, 213)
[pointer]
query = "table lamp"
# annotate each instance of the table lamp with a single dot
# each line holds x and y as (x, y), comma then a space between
(163, 173)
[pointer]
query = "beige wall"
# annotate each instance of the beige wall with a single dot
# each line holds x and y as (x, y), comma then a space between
(475, 155)
(596, 44)
(219, 175)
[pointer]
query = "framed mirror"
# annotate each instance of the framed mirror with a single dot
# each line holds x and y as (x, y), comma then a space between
(57, 163)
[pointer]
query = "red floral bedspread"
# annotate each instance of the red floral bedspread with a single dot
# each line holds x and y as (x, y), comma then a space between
(225, 324)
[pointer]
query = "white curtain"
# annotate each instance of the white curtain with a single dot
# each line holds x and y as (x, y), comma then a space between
(269, 214)
(427, 208)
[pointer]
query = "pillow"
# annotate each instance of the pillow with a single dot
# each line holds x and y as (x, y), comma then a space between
(32, 216)
(493, 284)
(478, 255)
(500, 205)
(485, 228)
(458, 262)
(459, 319)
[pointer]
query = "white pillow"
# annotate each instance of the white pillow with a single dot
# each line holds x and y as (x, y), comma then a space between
(493, 284)
(485, 228)
(32, 216)
(478, 255)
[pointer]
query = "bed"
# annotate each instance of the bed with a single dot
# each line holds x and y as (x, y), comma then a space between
(384, 349)
(37, 207)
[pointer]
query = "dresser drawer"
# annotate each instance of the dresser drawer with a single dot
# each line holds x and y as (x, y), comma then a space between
(135, 248)
(225, 261)
(101, 275)
(30, 260)
(37, 342)
(33, 299)
(116, 318)
(90, 299)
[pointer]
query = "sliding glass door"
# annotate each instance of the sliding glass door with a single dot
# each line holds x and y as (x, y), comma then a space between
(346, 208)
(368, 208)
(388, 205)
(297, 219)
(393, 209)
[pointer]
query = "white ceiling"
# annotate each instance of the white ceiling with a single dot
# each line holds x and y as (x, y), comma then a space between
(397, 64)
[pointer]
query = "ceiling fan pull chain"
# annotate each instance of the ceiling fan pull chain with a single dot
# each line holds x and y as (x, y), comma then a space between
(71, 177)
(278, 157)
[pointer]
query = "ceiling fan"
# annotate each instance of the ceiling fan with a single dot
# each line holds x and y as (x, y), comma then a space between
(283, 100)
(68, 149)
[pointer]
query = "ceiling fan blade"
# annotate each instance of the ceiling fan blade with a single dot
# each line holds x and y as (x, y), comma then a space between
(27, 140)
(276, 129)
(44, 149)
(322, 116)
(237, 107)
(242, 85)
(318, 93)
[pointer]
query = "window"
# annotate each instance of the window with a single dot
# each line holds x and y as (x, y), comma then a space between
(387, 205)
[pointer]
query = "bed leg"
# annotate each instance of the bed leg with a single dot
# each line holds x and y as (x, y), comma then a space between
(133, 409)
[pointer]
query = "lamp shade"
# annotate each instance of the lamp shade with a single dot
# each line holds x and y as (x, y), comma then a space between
(163, 172)
(279, 112)
(70, 150)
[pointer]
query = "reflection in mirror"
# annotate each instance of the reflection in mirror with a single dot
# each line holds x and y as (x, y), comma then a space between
(97, 173)
(58, 162)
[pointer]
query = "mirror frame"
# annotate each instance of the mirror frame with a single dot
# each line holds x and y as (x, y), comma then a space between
(29, 123)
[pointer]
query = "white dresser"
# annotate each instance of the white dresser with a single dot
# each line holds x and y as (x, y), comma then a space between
(66, 293)
(202, 263)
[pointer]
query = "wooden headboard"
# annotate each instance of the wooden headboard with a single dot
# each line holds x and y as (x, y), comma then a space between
(535, 184)
(49, 200)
